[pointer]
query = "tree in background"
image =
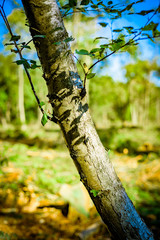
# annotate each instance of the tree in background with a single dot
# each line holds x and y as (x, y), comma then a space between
(141, 90)
(22, 105)
(8, 85)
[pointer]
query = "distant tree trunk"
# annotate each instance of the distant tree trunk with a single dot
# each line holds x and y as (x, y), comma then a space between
(158, 111)
(71, 110)
(134, 115)
(8, 112)
(21, 96)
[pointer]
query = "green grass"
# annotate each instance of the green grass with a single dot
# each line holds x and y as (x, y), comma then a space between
(48, 173)
(49, 165)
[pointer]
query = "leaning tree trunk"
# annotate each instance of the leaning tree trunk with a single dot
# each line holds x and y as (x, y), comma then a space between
(71, 109)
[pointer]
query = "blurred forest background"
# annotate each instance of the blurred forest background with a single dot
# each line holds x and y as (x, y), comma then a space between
(37, 176)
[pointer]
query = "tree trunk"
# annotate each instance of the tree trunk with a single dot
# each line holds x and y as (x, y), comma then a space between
(158, 111)
(71, 110)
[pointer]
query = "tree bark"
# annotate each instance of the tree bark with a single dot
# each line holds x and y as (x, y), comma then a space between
(71, 110)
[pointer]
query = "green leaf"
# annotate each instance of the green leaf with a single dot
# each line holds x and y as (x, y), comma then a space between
(97, 38)
(33, 61)
(39, 36)
(90, 75)
(94, 192)
(110, 2)
(156, 33)
(42, 104)
(117, 44)
(94, 50)
(57, 43)
(34, 64)
(148, 36)
(69, 39)
(104, 45)
(85, 2)
(145, 12)
(117, 30)
(14, 50)
(94, 6)
(103, 24)
(44, 119)
(7, 44)
(26, 46)
(24, 62)
(129, 6)
(15, 38)
(150, 26)
(129, 29)
(19, 62)
(82, 52)
(139, 1)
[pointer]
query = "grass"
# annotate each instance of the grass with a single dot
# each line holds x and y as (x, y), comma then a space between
(38, 162)
(48, 169)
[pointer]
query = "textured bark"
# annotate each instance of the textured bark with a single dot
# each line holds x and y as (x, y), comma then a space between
(71, 110)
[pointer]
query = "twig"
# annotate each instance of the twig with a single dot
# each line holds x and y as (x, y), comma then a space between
(85, 73)
(79, 63)
(85, 78)
(128, 43)
(3, 3)
(26, 44)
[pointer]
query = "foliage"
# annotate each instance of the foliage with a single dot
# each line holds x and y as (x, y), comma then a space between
(124, 38)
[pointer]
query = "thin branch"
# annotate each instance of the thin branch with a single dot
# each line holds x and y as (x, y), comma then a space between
(146, 38)
(128, 43)
(2, 12)
(26, 44)
(3, 3)
(85, 78)
(79, 63)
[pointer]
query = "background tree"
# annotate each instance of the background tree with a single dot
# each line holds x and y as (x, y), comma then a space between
(140, 90)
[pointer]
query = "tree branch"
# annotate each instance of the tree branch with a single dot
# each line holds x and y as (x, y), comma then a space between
(128, 43)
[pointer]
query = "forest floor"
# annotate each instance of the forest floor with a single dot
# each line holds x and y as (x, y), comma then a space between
(41, 197)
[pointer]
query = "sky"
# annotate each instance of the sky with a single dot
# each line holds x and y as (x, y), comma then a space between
(148, 50)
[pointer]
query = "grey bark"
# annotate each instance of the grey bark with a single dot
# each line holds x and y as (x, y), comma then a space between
(71, 110)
